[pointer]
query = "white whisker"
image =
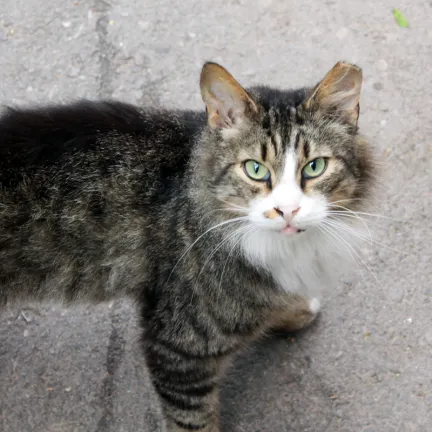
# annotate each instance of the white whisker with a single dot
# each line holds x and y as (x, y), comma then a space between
(247, 232)
(238, 219)
(221, 244)
(338, 224)
(348, 199)
(358, 255)
(368, 214)
(233, 210)
(358, 217)
(327, 231)
(343, 214)
(235, 205)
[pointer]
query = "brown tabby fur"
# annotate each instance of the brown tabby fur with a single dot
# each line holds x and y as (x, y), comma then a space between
(101, 200)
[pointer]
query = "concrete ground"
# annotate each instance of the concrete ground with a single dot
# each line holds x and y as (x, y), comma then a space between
(366, 366)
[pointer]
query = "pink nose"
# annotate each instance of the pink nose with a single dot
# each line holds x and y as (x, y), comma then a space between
(288, 212)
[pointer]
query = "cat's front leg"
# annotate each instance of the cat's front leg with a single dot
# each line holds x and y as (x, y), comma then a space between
(187, 384)
(173, 426)
(299, 313)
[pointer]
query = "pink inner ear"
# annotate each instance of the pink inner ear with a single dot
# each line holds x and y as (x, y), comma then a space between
(226, 100)
(340, 90)
(222, 106)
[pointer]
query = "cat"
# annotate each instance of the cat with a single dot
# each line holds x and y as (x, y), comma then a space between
(221, 224)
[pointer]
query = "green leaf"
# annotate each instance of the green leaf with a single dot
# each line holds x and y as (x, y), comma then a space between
(400, 19)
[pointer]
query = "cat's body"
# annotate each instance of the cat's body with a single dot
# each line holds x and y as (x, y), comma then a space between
(99, 200)
(84, 193)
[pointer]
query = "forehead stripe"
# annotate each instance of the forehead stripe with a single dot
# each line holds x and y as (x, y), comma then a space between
(274, 144)
(297, 140)
(306, 148)
(264, 151)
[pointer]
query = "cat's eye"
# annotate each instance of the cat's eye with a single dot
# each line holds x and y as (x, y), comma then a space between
(314, 168)
(256, 171)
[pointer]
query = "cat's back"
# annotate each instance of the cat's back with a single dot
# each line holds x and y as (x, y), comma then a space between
(41, 137)
(71, 149)
(79, 184)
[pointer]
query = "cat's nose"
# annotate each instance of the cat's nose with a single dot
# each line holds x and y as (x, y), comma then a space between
(288, 212)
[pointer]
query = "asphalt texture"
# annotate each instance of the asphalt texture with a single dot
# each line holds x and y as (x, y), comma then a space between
(366, 365)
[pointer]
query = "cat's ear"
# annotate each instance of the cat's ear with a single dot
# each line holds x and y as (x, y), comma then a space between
(339, 93)
(226, 101)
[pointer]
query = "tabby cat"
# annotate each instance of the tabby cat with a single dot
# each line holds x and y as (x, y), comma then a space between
(218, 224)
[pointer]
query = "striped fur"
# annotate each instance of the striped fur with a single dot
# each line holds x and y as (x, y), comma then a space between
(101, 200)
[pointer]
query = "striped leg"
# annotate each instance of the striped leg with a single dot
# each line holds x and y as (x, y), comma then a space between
(187, 385)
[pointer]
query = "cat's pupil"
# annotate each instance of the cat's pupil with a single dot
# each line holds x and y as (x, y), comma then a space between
(313, 165)
(256, 167)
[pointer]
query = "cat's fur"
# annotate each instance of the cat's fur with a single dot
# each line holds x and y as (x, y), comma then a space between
(99, 200)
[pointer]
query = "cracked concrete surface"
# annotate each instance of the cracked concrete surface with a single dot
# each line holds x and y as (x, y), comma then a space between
(367, 364)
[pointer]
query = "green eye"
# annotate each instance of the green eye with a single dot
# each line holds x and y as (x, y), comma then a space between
(314, 168)
(256, 171)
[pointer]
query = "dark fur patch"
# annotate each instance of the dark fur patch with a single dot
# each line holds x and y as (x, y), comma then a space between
(306, 149)
(264, 151)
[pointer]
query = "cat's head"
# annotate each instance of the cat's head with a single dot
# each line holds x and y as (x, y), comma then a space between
(284, 161)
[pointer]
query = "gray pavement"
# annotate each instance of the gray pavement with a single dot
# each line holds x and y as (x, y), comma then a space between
(366, 366)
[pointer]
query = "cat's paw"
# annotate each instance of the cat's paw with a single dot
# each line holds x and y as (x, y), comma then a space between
(301, 314)
(314, 306)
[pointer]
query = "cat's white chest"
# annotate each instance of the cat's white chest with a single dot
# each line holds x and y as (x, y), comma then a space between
(304, 263)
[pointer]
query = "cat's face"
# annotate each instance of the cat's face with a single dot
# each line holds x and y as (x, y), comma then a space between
(285, 166)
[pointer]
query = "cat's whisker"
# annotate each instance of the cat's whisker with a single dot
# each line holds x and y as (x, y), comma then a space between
(347, 228)
(369, 214)
(221, 244)
(344, 248)
(363, 200)
(339, 246)
(218, 246)
(245, 209)
(248, 231)
(238, 219)
(358, 217)
(343, 214)
(212, 211)
(382, 216)
(234, 210)
(241, 234)
(348, 199)
(356, 253)
(339, 224)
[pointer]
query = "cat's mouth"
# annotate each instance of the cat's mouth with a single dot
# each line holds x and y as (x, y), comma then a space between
(290, 230)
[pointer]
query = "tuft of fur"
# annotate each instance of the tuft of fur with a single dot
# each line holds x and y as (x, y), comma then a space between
(102, 199)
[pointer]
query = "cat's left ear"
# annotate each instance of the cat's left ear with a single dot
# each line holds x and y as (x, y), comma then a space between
(226, 101)
(339, 93)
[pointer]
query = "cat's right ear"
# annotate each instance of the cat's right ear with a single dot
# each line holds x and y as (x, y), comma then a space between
(339, 93)
(226, 101)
